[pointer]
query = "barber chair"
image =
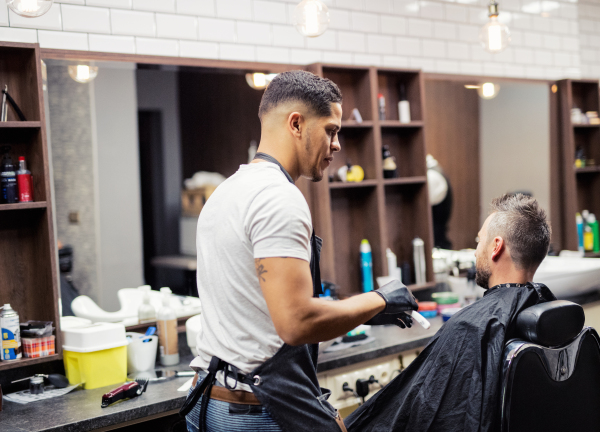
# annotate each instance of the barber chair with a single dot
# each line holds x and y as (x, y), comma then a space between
(551, 376)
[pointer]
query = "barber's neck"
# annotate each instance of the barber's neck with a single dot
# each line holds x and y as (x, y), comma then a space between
(284, 152)
(507, 273)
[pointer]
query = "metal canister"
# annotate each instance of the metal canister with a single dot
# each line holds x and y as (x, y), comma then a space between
(419, 260)
(11, 337)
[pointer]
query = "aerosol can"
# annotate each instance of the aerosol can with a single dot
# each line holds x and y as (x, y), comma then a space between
(11, 337)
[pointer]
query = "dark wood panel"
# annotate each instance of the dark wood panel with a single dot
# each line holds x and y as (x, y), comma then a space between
(218, 118)
(405, 206)
(27, 279)
(357, 147)
(354, 214)
(389, 86)
(356, 90)
(408, 147)
(556, 169)
(452, 129)
(18, 70)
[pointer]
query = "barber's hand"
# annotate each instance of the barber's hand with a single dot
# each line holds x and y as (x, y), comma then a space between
(397, 298)
(401, 319)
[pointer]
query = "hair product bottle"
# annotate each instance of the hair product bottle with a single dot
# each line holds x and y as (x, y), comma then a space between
(24, 181)
(166, 322)
(9, 192)
(366, 265)
(403, 106)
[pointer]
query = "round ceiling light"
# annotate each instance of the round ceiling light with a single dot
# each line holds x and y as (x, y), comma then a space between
(30, 8)
(311, 18)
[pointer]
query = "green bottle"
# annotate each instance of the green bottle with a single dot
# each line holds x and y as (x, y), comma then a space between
(593, 223)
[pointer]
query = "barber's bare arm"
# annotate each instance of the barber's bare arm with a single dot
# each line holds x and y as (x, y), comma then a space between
(298, 317)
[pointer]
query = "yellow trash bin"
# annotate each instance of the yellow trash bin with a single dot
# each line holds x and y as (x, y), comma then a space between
(95, 354)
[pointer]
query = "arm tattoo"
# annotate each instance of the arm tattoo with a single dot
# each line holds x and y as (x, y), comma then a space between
(260, 269)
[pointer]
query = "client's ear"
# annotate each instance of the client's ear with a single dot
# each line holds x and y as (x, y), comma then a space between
(498, 248)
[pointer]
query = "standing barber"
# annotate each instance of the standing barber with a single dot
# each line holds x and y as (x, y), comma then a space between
(258, 276)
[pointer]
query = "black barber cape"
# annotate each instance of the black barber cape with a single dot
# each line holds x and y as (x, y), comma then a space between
(454, 384)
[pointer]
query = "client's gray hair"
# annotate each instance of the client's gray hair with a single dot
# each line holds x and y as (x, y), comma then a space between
(521, 222)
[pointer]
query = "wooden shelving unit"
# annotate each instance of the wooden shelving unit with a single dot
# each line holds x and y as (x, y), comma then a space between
(580, 186)
(390, 213)
(28, 266)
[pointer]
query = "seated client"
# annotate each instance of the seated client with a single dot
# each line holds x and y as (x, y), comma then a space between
(454, 384)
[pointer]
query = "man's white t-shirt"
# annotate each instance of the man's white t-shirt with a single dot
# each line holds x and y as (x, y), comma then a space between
(256, 213)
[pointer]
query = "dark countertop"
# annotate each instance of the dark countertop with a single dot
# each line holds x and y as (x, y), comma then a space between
(388, 340)
(80, 410)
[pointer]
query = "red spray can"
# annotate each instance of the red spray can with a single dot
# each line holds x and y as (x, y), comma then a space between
(24, 182)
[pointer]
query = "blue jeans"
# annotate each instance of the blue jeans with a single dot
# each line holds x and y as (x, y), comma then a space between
(219, 418)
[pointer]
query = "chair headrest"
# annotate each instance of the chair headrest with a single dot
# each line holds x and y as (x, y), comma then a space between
(551, 324)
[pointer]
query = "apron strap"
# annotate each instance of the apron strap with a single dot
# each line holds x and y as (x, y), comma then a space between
(271, 159)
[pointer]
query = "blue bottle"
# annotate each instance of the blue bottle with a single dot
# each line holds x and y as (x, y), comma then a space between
(366, 265)
(579, 220)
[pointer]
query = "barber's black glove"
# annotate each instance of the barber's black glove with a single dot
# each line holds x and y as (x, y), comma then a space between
(401, 319)
(397, 298)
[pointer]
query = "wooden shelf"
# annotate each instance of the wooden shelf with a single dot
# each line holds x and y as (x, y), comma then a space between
(405, 181)
(351, 185)
(397, 124)
(21, 124)
(580, 187)
(592, 254)
(415, 287)
(346, 124)
(24, 206)
(590, 169)
(576, 125)
(28, 255)
(389, 213)
(6, 365)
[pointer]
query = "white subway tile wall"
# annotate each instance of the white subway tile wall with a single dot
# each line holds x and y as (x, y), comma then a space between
(549, 39)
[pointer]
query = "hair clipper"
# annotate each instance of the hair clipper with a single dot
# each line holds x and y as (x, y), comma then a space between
(128, 390)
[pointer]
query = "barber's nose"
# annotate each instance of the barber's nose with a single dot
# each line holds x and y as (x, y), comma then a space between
(335, 146)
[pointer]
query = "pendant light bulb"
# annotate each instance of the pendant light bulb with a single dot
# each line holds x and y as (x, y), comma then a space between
(259, 80)
(494, 36)
(311, 18)
(83, 73)
(30, 8)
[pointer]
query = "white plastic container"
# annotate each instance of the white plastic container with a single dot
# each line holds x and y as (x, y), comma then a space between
(141, 356)
(94, 337)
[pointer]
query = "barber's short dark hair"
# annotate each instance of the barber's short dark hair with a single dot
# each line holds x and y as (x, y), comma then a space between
(315, 92)
(522, 223)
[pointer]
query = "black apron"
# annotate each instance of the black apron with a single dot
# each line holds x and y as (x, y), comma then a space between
(286, 384)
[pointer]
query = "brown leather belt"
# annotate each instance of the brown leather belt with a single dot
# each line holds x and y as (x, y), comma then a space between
(232, 396)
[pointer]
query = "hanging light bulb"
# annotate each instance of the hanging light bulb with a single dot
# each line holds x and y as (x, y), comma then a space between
(311, 18)
(494, 36)
(83, 73)
(30, 8)
(486, 90)
(259, 80)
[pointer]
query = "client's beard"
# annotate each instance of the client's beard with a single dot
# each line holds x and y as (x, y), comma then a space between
(482, 274)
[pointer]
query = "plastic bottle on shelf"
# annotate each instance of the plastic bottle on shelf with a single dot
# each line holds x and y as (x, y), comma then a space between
(593, 223)
(403, 106)
(24, 181)
(579, 221)
(366, 265)
(166, 322)
(9, 192)
(146, 312)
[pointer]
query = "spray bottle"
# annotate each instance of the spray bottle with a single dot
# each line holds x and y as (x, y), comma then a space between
(366, 265)
(579, 221)
(10, 342)
(166, 322)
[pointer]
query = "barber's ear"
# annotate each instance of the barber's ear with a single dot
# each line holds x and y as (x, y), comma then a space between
(295, 122)
(498, 250)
